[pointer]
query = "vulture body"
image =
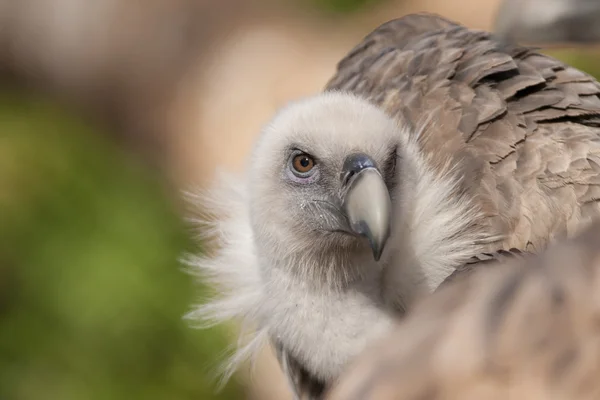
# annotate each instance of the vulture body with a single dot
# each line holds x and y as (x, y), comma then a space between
(524, 330)
(433, 149)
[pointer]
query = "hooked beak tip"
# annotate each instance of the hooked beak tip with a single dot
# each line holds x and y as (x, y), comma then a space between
(377, 244)
(368, 207)
(377, 250)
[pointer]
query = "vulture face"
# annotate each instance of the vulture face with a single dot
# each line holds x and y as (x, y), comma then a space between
(322, 173)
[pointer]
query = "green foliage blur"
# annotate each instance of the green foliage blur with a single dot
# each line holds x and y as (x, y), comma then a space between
(587, 60)
(91, 293)
(341, 7)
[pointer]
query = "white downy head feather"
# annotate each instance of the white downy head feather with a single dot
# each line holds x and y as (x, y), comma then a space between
(432, 233)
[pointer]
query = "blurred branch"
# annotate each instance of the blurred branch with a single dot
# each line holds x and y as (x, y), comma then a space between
(549, 22)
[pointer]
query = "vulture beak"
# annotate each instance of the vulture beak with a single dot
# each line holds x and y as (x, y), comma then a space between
(366, 201)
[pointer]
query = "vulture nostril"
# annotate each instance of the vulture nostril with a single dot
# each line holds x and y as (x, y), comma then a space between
(355, 163)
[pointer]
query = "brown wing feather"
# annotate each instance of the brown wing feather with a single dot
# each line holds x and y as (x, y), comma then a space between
(523, 128)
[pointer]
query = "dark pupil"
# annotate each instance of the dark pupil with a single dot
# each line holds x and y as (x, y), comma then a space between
(304, 162)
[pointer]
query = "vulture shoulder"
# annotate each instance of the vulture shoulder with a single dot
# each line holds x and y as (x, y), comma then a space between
(499, 257)
(521, 129)
(528, 330)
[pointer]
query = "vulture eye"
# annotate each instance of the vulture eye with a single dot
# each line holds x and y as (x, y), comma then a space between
(302, 165)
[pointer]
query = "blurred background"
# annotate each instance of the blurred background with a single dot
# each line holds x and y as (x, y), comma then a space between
(108, 108)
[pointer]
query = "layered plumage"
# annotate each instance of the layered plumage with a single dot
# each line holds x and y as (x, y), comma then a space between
(479, 147)
(522, 330)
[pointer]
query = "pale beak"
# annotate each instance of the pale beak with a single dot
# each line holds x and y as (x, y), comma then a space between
(367, 201)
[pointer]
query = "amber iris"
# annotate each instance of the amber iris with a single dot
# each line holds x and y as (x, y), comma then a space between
(303, 163)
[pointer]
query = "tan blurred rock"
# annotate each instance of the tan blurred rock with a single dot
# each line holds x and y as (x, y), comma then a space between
(267, 381)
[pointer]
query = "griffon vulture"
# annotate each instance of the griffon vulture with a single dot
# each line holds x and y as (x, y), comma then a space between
(432, 145)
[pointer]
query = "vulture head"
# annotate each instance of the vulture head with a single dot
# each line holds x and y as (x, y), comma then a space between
(320, 178)
(336, 193)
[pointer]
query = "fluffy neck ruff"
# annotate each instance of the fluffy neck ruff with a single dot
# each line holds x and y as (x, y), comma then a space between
(335, 266)
(439, 226)
(435, 233)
